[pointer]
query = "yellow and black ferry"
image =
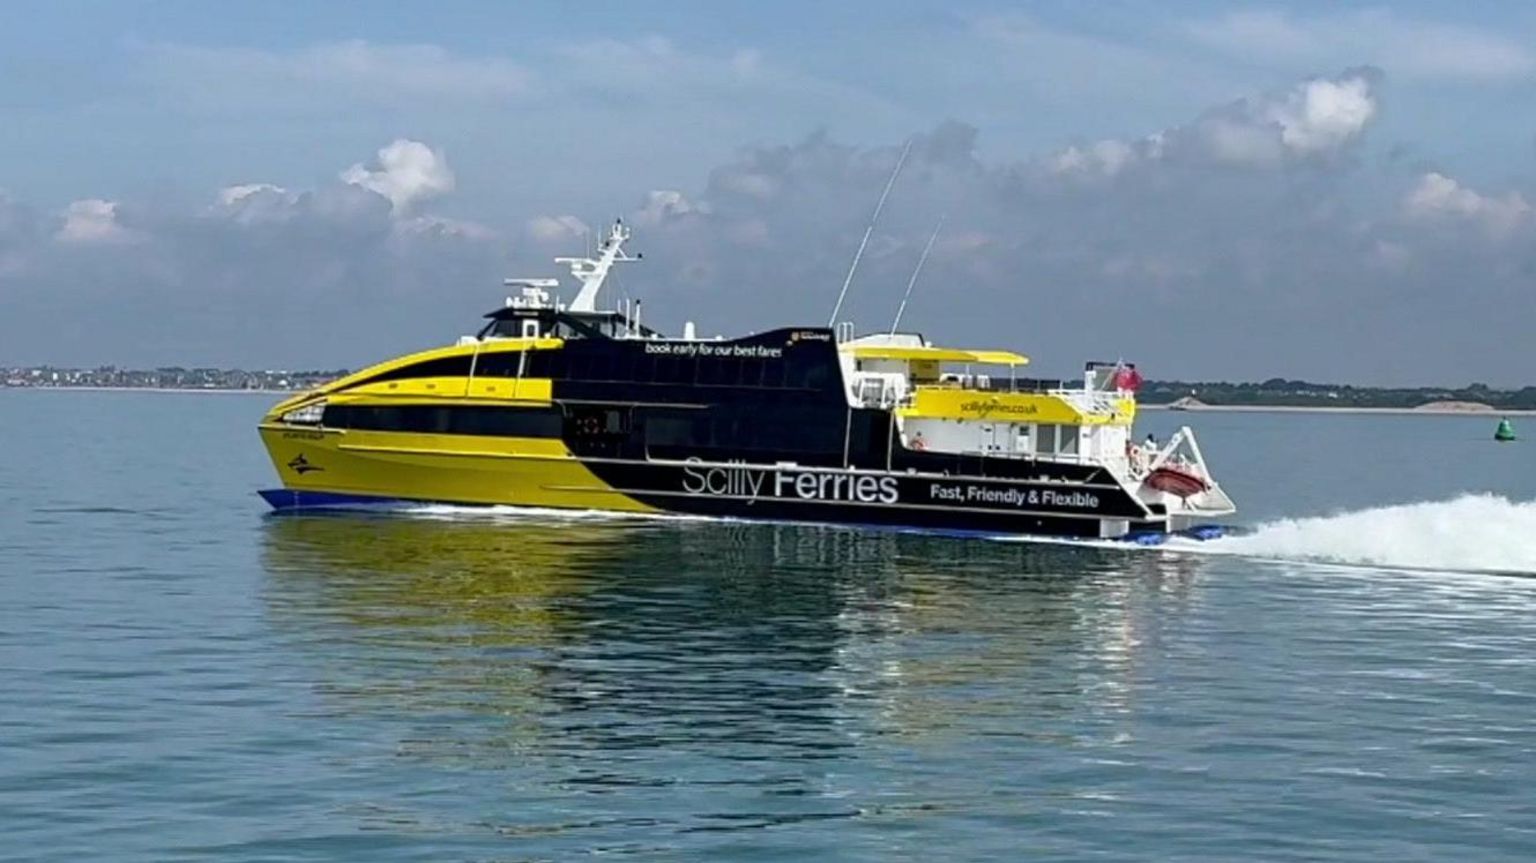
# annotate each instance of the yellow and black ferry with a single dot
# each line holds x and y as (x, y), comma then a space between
(567, 406)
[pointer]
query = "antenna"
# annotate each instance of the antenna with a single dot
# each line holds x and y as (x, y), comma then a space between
(901, 309)
(869, 230)
(592, 272)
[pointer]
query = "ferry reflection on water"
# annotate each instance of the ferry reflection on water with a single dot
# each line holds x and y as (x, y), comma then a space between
(617, 634)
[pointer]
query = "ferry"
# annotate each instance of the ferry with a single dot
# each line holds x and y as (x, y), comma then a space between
(572, 406)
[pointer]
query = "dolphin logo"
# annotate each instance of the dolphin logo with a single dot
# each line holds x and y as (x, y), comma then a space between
(301, 465)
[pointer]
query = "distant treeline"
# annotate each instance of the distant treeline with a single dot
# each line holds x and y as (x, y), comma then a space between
(167, 377)
(1288, 393)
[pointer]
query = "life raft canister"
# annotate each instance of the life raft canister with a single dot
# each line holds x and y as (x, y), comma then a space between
(1181, 483)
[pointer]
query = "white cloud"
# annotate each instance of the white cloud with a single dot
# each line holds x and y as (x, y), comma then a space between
(1316, 119)
(439, 226)
(1437, 196)
(407, 172)
(252, 203)
(383, 196)
(662, 205)
(552, 230)
(1406, 47)
(229, 196)
(1322, 115)
(1108, 157)
(1240, 142)
(92, 221)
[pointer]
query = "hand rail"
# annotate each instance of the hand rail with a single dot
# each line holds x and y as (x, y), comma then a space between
(1090, 401)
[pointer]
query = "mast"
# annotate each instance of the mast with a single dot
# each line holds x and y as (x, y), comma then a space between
(874, 217)
(902, 309)
(592, 271)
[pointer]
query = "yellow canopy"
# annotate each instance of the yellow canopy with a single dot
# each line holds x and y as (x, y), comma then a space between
(941, 355)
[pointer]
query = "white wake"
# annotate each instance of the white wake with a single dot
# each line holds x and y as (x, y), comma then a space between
(1471, 533)
(1474, 532)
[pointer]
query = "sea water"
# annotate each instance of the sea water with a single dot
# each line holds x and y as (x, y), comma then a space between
(183, 677)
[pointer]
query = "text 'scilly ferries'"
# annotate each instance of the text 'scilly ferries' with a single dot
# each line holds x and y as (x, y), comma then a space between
(571, 406)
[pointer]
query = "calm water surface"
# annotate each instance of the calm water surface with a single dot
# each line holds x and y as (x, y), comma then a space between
(184, 677)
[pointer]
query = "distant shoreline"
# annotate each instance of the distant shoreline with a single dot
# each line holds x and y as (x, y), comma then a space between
(224, 391)
(1308, 409)
(1299, 409)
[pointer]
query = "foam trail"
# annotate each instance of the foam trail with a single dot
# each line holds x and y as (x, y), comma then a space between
(1474, 532)
(1471, 533)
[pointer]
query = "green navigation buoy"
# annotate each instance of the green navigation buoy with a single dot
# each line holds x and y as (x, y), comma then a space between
(1505, 431)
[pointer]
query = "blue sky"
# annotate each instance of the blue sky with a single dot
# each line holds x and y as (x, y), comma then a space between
(101, 105)
(545, 111)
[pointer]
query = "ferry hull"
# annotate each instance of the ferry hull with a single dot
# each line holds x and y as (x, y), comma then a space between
(439, 468)
(329, 468)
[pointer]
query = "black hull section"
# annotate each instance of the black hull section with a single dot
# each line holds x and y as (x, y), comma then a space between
(880, 498)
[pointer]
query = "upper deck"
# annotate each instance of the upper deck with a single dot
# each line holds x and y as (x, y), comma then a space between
(905, 373)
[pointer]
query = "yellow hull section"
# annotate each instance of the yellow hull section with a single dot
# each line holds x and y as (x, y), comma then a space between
(536, 472)
(962, 404)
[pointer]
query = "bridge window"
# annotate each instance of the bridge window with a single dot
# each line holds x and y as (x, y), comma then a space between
(501, 364)
(443, 367)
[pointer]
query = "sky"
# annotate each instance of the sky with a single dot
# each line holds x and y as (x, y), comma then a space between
(1216, 191)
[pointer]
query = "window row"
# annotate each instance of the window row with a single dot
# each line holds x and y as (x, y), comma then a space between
(779, 431)
(633, 366)
(611, 363)
(435, 419)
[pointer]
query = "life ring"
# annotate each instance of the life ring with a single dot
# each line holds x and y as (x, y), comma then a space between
(1137, 456)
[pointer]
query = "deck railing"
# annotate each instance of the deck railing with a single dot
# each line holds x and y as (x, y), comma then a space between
(1090, 401)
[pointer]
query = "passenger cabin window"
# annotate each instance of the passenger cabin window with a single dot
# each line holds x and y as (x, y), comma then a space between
(587, 421)
(436, 419)
(1055, 439)
(1045, 439)
(1066, 439)
(530, 329)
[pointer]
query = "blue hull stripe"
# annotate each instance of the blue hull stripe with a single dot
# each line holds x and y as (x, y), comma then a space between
(282, 499)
